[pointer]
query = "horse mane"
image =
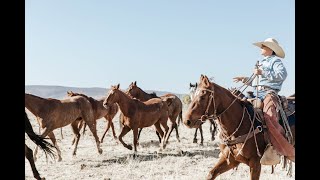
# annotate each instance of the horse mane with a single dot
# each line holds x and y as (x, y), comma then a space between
(153, 95)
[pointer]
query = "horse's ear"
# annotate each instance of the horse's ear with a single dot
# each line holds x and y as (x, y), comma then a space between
(196, 85)
(135, 83)
(206, 81)
(117, 87)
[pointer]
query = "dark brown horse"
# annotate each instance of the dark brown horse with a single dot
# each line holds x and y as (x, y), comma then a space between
(39, 141)
(213, 127)
(99, 111)
(53, 113)
(243, 140)
(138, 114)
(175, 108)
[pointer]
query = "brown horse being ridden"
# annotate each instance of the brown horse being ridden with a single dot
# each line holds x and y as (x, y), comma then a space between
(99, 111)
(175, 108)
(138, 114)
(53, 113)
(290, 115)
(242, 141)
(213, 127)
(39, 141)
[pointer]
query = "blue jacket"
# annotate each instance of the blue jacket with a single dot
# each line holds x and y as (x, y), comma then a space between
(273, 72)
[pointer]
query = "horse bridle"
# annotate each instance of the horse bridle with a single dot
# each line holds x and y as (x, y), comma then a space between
(226, 138)
(211, 99)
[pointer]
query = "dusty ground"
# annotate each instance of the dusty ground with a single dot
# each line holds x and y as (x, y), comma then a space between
(116, 162)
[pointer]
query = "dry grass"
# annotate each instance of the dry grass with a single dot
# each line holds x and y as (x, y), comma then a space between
(117, 163)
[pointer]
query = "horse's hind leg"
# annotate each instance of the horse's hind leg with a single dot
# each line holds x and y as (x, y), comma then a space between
(165, 137)
(54, 142)
(177, 133)
(135, 139)
(75, 130)
(139, 133)
(222, 166)
(173, 126)
(125, 130)
(213, 132)
(29, 156)
(48, 132)
(93, 128)
(61, 133)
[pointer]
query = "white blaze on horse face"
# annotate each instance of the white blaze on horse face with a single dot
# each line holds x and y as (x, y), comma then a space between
(196, 93)
(192, 92)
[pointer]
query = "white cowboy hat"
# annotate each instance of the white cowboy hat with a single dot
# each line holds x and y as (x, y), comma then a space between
(272, 44)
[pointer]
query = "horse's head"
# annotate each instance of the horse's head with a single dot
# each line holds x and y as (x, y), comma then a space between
(112, 97)
(133, 90)
(199, 105)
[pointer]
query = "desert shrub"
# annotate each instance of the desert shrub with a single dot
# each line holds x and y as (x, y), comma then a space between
(186, 99)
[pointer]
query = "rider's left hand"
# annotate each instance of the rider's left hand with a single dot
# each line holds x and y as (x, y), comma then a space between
(257, 71)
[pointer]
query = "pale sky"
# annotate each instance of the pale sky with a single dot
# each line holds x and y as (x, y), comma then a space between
(163, 45)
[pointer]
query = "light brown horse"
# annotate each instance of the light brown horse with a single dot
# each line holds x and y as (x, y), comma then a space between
(138, 114)
(213, 127)
(53, 113)
(231, 115)
(99, 111)
(39, 141)
(175, 108)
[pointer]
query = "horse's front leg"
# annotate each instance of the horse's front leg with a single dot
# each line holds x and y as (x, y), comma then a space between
(222, 166)
(201, 134)
(125, 130)
(255, 168)
(195, 136)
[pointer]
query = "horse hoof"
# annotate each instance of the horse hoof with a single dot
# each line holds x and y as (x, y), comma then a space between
(59, 159)
(129, 147)
(195, 141)
(201, 144)
(212, 139)
(209, 177)
(100, 151)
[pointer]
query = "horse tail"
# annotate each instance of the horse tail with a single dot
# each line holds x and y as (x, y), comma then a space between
(38, 140)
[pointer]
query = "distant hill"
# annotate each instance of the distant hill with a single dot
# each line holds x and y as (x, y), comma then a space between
(60, 92)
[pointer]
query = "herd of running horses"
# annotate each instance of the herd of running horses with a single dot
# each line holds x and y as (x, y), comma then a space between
(139, 109)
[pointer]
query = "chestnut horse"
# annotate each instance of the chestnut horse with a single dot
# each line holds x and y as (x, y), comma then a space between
(138, 114)
(213, 127)
(39, 141)
(233, 119)
(53, 113)
(175, 108)
(99, 111)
